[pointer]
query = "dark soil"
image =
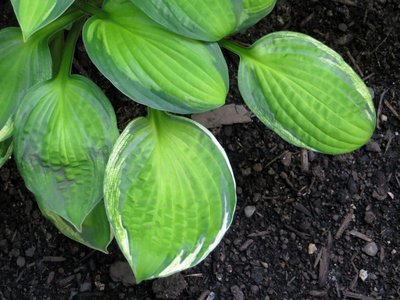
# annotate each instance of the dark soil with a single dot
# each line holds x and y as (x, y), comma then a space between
(300, 198)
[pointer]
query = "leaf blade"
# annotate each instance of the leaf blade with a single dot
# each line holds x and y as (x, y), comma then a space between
(331, 113)
(64, 134)
(33, 15)
(169, 216)
(202, 20)
(254, 11)
(167, 72)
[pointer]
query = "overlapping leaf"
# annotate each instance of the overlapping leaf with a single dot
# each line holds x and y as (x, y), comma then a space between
(6, 148)
(254, 11)
(152, 65)
(169, 194)
(306, 93)
(96, 232)
(33, 15)
(22, 65)
(206, 20)
(64, 133)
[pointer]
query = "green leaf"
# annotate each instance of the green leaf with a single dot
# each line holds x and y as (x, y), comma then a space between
(33, 15)
(154, 66)
(64, 133)
(206, 20)
(22, 65)
(306, 93)
(169, 194)
(254, 11)
(96, 232)
(6, 148)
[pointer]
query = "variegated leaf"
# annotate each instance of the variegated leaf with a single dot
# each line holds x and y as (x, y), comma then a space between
(33, 15)
(152, 65)
(64, 132)
(254, 11)
(306, 93)
(169, 194)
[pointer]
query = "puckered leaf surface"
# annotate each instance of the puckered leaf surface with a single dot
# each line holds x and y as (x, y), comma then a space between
(306, 93)
(33, 15)
(206, 20)
(152, 65)
(96, 232)
(169, 194)
(21, 66)
(64, 133)
(254, 11)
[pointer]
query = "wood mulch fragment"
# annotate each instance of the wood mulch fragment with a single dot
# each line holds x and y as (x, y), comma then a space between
(381, 254)
(204, 295)
(301, 208)
(345, 223)
(305, 165)
(318, 293)
(303, 235)
(246, 245)
(258, 234)
(324, 262)
(357, 296)
(66, 281)
(53, 258)
(379, 112)
(360, 235)
(392, 109)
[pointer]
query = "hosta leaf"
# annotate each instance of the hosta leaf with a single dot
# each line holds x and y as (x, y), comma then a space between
(96, 232)
(22, 65)
(64, 132)
(206, 20)
(169, 194)
(306, 93)
(254, 11)
(33, 15)
(154, 66)
(6, 148)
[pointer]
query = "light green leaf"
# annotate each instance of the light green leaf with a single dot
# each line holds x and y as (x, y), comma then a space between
(22, 65)
(6, 148)
(206, 20)
(154, 66)
(33, 15)
(64, 133)
(96, 232)
(306, 93)
(254, 11)
(169, 194)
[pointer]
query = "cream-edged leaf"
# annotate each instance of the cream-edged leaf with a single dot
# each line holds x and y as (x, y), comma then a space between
(306, 93)
(169, 194)
(206, 20)
(33, 15)
(152, 65)
(64, 133)
(96, 232)
(22, 65)
(254, 11)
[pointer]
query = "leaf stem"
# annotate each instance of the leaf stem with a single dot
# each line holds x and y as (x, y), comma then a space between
(56, 49)
(90, 9)
(69, 50)
(57, 25)
(233, 47)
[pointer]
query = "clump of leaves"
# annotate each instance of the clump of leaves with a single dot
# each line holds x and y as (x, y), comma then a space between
(164, 188)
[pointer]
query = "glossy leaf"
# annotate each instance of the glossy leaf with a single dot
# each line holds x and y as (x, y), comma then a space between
(96, 232)
(206, 20)
(154, 66)
(6, 148)
(33, 15)
(169, 194)
(65, 130)
(22, 65)
(306, 93)
(254, 11)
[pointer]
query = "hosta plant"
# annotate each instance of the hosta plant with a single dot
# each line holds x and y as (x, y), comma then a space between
(164, 188)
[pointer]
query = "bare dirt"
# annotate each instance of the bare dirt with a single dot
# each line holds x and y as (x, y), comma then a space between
(307, 226)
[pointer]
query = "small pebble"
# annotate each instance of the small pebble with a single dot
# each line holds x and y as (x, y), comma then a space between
(237, 293)
(369, 217)
(311, 248)
(373, 146)
(249, 211)
(20, 261)
(287, 159)
(370, 249)
(363, 274)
